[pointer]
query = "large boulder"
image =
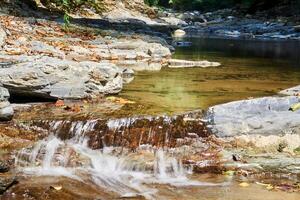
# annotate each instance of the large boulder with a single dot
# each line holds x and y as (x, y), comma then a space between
(6, 110)
(49, 77)
(262, 116)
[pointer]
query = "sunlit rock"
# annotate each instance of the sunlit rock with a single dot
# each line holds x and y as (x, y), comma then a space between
(49, 77)
(6, 110)
(265, 116)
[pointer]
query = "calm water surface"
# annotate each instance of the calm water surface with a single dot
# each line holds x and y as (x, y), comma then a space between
(249, 69)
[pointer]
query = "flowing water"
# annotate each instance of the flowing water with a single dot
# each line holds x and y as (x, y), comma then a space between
(126, 174)
(249, 69)
(136, 158)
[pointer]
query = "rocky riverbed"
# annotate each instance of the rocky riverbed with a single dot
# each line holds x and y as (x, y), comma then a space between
(81, 137)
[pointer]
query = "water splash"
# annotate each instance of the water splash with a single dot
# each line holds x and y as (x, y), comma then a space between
(129, 174)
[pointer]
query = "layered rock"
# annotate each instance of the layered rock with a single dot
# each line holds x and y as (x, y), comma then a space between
(6, 110)
(132, 132)
(263, 116)
(49, 77)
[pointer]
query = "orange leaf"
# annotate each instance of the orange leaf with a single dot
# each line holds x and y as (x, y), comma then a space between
(59, 103)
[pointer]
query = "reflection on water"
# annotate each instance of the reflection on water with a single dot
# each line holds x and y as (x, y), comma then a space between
(249, 69)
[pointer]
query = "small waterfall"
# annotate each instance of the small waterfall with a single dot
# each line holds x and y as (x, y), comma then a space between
(113, 168)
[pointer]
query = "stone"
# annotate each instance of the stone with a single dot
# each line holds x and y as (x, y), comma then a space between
(176, 63)
(294, 91)
(262, 116)
(174, 21)
(3, 167)
(2, 36)
(179, 33)
(54, 78)
(6, 181)
(6, 110)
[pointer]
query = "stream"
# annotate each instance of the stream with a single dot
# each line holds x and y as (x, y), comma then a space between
(155, 157)
(249, 69)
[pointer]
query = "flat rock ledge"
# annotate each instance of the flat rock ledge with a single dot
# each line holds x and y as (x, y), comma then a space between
(48, 77)
(6, 110)
(262, 116)
(294, 91)
(176, 63)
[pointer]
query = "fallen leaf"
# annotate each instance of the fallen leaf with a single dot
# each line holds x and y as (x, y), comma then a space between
(295, 107)
(59, 103)
(56, 187)
(244, 184)
(229, 173)
(270, 187)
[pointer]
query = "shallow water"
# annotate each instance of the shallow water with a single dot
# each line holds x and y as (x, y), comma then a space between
(249, 69)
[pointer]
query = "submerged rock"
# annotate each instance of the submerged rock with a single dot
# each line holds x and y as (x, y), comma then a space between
(6, 181)
(264, 116)
(175, 63)
(49, 77)
(6, 110)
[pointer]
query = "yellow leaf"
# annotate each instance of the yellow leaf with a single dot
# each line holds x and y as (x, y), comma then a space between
(270, 187)
(244, 184)
(229, 173)
(56, 187)
(295, 107)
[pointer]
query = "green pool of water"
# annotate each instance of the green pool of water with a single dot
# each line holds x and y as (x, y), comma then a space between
(249, 69)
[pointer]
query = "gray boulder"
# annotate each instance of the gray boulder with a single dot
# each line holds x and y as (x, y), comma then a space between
(49, 77)
(263, 116)
(6, 110)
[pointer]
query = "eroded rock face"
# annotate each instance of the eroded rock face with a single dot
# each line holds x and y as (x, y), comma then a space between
(6, 110)
(54, 78)
(263, 116)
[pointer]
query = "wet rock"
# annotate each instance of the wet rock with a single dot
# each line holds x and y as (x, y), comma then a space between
(263, 116)
(54, 78)
(175, 63)
(133, 131)
(3, 167)
(182, 43)
(6, 181)
(128, 75)
(6, 110)
(294, 91)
